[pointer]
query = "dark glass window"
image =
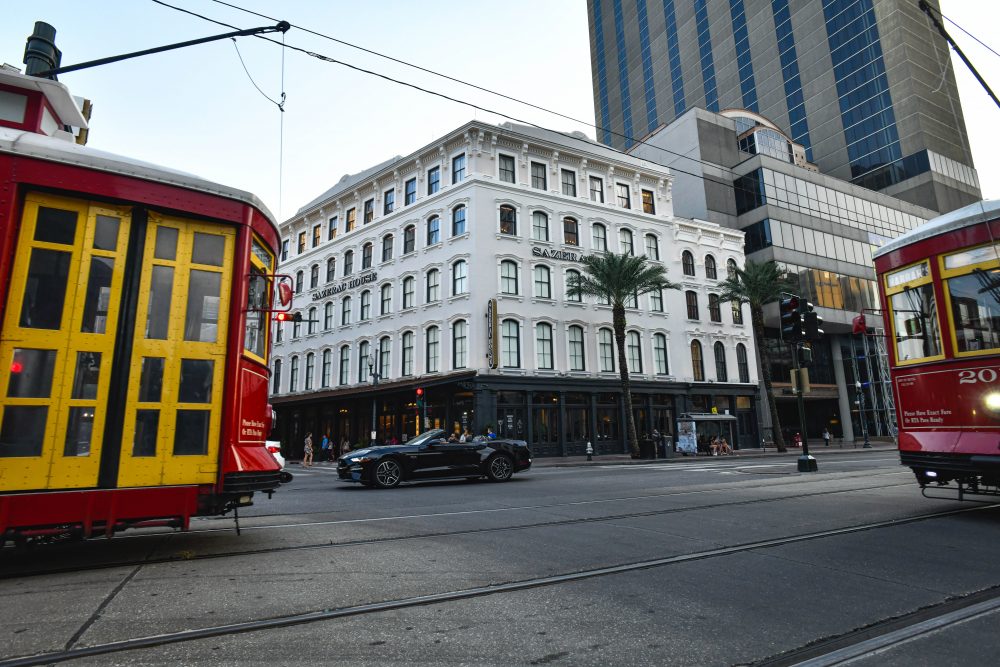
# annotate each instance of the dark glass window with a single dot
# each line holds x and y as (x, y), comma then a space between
(317, 236)
(687, 262)
(648, 202)
(757, 236)
(697, 362)
(98, 295)
(314, 276)
(147, 423)
(433, 180)
(366, 256)
(508, 220)
(433, 230)
(571, 231)
(55, 226)
(623, 195)
(387, 248)
(301, 241)
(331, 231)
(710, 271)
(409, 239)
(569, 183)
(749, 191)
(369, 210)
(388, 201)
(507, 169)
(458, 221)
(538, 179)
(714, 311)
(195, 381)
(741, 362)
(458, 168)
(87, 375)
(410, 192)
(721, 372)
(191, 434)
(352, 218)
(151, 380)
(45, 289)
(596, 189)
(692, 304)
(31, 373)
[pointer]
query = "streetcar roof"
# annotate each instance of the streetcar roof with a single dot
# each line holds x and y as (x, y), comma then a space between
(56, 94)
(973, 214)
(55, 149)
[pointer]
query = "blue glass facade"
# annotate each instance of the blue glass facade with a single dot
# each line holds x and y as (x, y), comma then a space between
(705, 53)
(604, 120)
(623, 73)
(647, 66)
(790, 74)
(862, 88)
(674, 54)
(747, 86)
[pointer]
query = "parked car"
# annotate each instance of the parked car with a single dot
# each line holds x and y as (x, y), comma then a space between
(431, 456)
(274, 446)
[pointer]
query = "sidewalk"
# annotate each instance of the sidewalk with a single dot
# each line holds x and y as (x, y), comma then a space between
(793, 452)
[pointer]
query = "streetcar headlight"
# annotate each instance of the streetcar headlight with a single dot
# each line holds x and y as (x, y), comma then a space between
(930, 474)
(992, 401)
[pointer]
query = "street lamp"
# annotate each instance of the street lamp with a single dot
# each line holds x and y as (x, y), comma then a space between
(861, 413)
(373, 371)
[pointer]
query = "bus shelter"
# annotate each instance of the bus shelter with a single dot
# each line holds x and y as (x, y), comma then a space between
(695, 431)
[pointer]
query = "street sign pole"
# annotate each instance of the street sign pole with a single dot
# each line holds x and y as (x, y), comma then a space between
(807, 463)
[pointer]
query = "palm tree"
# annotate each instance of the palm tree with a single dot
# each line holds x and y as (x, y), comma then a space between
(617, 280)
(759, 284)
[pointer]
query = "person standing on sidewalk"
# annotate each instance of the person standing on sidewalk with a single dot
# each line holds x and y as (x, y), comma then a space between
(826, 437)
(307, 452)
(324, 446)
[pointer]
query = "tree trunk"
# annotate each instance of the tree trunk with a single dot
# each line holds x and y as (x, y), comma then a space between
(618, 318)
(757, 314)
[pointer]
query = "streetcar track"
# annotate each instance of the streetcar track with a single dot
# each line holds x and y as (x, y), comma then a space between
(324, 614)
(422, 536)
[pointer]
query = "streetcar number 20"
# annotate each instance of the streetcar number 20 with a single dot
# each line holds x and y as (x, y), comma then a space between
(982, 375)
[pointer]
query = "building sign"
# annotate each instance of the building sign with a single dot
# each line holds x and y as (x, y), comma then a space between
(538, 251)
(492, 334)
(345, 285)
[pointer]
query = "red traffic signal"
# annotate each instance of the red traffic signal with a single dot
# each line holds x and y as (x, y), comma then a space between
(288, 316)
(420, 392)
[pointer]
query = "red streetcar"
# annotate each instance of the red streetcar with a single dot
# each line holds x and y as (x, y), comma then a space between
(940, 288)
(134, 350)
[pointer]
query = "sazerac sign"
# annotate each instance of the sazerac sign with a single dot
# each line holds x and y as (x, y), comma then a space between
(345, 285)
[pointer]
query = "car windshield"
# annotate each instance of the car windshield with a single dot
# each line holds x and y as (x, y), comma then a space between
(432, 434)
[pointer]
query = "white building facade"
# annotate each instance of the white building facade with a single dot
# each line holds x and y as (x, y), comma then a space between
(446, 271)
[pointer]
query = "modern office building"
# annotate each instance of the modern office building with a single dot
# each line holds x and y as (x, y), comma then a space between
(742, 171)
(446, 270)
(866, 87)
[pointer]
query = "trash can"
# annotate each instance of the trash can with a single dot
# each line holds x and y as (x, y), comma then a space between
(647, 450)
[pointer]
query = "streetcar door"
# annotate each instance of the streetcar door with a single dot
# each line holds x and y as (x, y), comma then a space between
(173, 407)
(58, 341)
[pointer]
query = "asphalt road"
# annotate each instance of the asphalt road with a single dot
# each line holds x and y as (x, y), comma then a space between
(725, 561)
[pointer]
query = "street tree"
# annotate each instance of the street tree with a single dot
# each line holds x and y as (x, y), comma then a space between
(758, 284)
(618, 280)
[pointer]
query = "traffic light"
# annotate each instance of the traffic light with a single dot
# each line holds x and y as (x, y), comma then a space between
(810, 321)
(805, 355)
(420, 398)
(288, 316)
(791, 320)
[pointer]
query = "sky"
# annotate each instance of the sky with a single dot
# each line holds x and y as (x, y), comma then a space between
(198, 109)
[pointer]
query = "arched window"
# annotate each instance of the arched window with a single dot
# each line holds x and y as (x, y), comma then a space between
(387, 242)
(714, 310)
(599, 237)
(656, 301)
(543, 282)
(409, 239)
(458, 226)
(345, 311)
(409, 291)
(626, 242)
(344, 371)
(433, 350)
(386, 300)
(459, 277)
(508, 277)
(363, 353)
(328, 315)
(433, 230)
(737, 312)
(710, 271)
(660, 354)
(312, 320)
(697, 363)
(433, 291)
(741, 362)
(327, 365)
(406, 369)
(384, 357)
(571, 231)
(721, 372)
(459, 344)
(276, 377)
(577, 356)
(508, 220)
(299, 282)
(633, 347)
(314, 276)
(366, 306)
(731, 268)
(293, 380)
(543, 345)
(571, 276)
(348, 263)
(366, 256)
(539, 226)
(331, 269)
(692, 304)
(687, 263)
(652, 247)
(606, 350)
(510, 345)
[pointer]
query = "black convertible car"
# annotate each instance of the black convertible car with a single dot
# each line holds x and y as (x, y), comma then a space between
(431, 456)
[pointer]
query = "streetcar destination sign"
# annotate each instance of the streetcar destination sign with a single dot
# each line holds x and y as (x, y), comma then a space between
(345, 285)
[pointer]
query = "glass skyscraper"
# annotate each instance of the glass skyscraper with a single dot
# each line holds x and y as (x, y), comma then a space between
(865, 86)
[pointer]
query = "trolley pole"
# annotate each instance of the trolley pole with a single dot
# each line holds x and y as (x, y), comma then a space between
(806, 462)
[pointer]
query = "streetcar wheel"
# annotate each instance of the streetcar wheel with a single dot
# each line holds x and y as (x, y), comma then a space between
(500, 468)
(388, 474)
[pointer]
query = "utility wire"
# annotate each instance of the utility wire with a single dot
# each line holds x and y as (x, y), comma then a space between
(240, 56)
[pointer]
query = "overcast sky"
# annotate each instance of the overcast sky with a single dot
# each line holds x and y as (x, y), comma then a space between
(195, 109)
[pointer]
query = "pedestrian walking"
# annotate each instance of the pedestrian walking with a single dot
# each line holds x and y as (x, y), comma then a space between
(324, 445)
(307, 452)
(345, 446)
(826, 437)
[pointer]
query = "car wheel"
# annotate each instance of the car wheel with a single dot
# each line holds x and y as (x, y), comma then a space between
(388, 474)
(499, 468)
